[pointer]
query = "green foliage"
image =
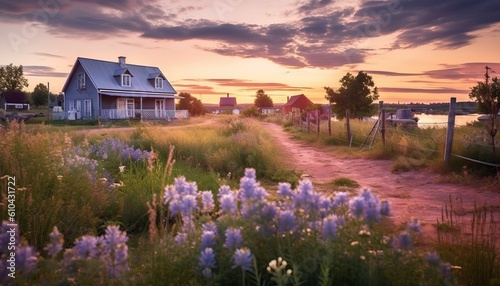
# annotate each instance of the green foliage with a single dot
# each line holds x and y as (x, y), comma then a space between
(12, 78)
(262, 99)
(251, 111)
(39, 96)
(356, 94)
(193, 105)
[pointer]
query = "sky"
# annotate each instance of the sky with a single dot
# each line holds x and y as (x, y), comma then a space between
(415, 50)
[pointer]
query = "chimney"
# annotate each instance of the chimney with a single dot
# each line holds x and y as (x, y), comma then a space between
(287, 98)
(121, 61)
(227, 95)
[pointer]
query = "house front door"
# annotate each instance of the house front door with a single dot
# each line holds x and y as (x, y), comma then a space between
(78, 109)
(125, 108)
(160, 108)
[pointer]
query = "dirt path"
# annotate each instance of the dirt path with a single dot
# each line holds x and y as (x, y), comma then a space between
(414, 194)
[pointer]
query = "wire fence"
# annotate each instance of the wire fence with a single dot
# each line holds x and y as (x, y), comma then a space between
(322, 124)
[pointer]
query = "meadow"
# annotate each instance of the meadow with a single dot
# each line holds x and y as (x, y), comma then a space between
(200, 204)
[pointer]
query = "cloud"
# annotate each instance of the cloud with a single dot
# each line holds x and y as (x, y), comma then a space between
(423, 90)
(42, 71)
(196, 89)
(48, 55)
(254, 86)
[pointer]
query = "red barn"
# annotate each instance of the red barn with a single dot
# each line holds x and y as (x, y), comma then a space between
(297, 101)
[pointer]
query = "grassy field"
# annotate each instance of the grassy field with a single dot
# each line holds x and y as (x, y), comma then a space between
(192, 203)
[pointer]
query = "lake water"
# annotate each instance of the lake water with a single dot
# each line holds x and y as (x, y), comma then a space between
(441, 121)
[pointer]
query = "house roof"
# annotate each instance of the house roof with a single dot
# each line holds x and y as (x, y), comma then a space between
(16, 97)
(227, 101)
(291, 101)
(102, 75)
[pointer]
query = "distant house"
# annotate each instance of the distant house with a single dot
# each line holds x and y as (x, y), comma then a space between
(15, 100)
(117, 90)
(299, 102)
(267, 110)
(227, 104)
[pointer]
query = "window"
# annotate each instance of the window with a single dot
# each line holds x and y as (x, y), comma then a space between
(81, 81)
(126, 80)
(159, 82)
(87, 108)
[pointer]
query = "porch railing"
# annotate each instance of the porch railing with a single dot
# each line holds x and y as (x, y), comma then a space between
(145, 114)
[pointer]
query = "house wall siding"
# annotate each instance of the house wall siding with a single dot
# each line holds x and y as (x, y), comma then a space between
(90, 93)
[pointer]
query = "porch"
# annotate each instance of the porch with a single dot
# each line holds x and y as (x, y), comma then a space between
(143, 114)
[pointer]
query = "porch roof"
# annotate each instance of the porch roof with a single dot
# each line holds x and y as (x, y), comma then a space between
(144, 95)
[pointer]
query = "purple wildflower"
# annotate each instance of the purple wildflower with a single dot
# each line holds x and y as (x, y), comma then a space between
(112, 238)
(26, 259)
(341, 198)
(250, 173)
(404, 240)
(357, 206)
(286, 221)
(56, 243)
(210, 226)
(86, 247)
(188, 204)
(372, 210)
(330, 227)
(170, 194)
(269, 211)
(243, 257)
(224, 190)
(118, 262)
(233, 238)
(207, 201)
(285, 190)
(207, 239)
(248, 189)
(207, 262)
(432, 258)
(228, 203)
(181, 238)
(445, 269)
(305, 196)
(385, 208)
(415, 226)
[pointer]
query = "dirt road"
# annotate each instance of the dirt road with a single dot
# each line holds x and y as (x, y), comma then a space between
(414, 194)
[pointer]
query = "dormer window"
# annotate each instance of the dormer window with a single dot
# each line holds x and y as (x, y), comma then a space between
(81, 81)
(159, 82)
(126, 80)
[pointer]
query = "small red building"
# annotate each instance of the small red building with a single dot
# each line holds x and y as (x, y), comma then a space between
(227, 103)
(300, 102)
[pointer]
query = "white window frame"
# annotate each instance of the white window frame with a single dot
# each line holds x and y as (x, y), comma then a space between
(126, 80)
(81, 81)
(87, 108)
(159, 82)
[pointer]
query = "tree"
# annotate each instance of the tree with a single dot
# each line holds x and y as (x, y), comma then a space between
(12, 78)
(191, 104)
(488, 97)
(262, 99)
(39, 95)
(356, 94)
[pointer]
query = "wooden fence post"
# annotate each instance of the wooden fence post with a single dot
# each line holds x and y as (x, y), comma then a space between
(330, 121)
(450, 132)
(308, 122)
(317, 120)
(382, 131)
(348, 125)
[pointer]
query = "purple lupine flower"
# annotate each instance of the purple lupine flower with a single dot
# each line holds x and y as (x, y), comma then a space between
(181, 238)
(210, 226)
(341, 198)
(269, 211)
(191, 188)
(188, 204)
(170, 194)
(179, 183)
(304, 196)
(175, 207)
(249, 209)
(366, 194)
(285, 190)
(286, 221)
(188, 224)
(248, 188)
(357, 206)
(86, 247)
(341, 221)
(207, 239)
(329, 227)
(415, 226)
(385, 208)
(227, 203)
(56, 243)
(119, 261)
(224, 190)
(207, 201)
(26, 259)
(372, 210)
(432, 258)
(445, 268)
(233, 238)
(137, 154)
(112, 238)
(250, 173)
(243, 257)
(404, 240)
(207, 262)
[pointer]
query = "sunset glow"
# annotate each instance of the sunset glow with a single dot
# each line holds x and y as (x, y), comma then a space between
(415, 50)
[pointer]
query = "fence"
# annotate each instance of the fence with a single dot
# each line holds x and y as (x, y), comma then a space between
(321, 124)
